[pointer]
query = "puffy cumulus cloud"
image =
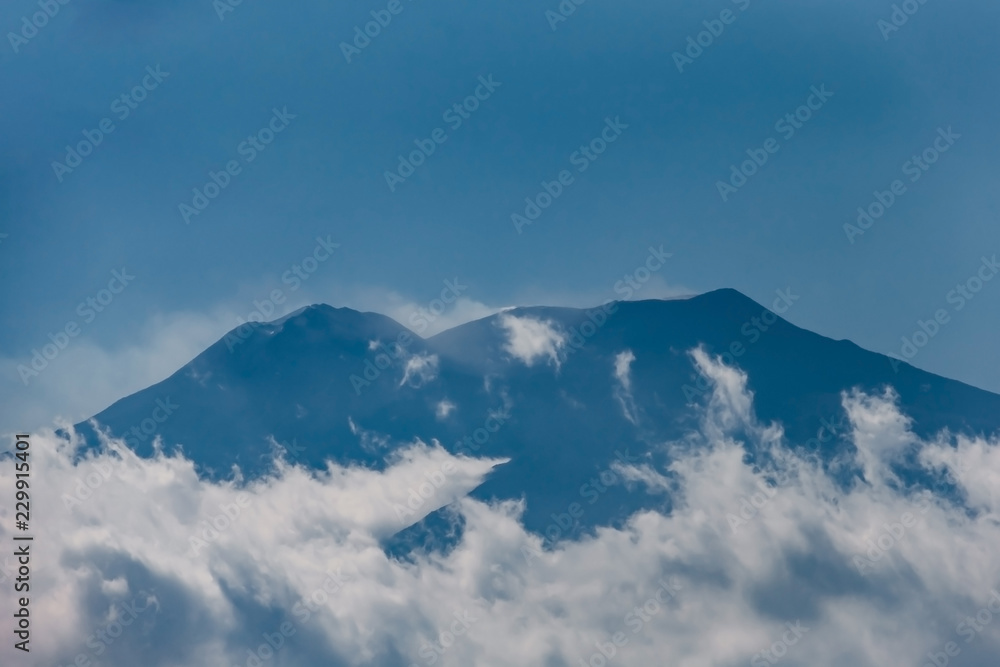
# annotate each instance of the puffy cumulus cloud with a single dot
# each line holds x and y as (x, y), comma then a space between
(214, 566)
(530, 339)
(759, 563)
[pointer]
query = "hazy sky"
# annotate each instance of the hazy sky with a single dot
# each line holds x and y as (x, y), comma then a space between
(267, 90)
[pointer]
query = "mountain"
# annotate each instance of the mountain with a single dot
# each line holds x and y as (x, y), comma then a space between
(562, 392)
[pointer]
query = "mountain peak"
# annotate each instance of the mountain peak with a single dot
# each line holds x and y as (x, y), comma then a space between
(336, 322)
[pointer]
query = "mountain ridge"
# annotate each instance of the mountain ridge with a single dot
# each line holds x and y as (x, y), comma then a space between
(337, 384)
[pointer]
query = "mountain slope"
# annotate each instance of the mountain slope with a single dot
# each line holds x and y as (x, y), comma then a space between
(562, 392)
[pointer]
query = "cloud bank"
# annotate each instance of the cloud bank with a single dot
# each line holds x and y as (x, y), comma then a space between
(764, 559)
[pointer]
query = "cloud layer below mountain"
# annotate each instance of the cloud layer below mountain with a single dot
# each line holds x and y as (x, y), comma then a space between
(785, 560)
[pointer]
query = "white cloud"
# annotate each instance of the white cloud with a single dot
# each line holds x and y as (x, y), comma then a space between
(419, 370)
(92, 372)
(530, 339)
(444, 408)
(974, 465)
(303, 548)
(623, 369)
(880, 432)
(623, 392)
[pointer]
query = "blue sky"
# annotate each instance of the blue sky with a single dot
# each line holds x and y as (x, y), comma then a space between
(323, 175)
(255, 118)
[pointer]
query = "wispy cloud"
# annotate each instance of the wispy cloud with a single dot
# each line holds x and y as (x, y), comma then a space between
(623, 392)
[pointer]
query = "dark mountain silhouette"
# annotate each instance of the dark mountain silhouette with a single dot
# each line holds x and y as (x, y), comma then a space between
(334, 383)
